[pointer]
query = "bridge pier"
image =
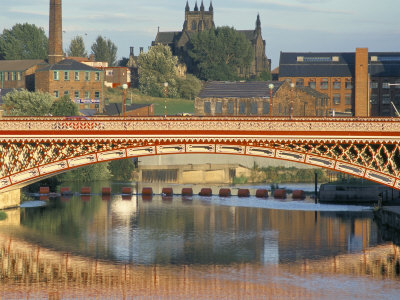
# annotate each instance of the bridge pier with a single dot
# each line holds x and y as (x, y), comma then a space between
(10, 199)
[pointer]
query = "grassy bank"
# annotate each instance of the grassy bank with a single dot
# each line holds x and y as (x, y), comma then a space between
(174, 105)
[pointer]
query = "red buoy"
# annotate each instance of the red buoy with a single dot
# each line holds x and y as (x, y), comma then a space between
(106, 191)
(298, 194)
(243, 193)
(127, 190)
(44, 190)
(167, 191)
(262, 193)
(280, 193)
(206, 192)
(85, 190)
(224, 192)
(147, 191)
(187, 192)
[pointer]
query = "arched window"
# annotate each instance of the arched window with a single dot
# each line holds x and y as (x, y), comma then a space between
(194, 25)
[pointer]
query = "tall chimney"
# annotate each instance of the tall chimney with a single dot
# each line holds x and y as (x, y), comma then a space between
(55, 32)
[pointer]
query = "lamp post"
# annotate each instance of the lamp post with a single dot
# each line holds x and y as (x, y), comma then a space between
(124, 88)
(271, 87)
(165, 94)
(291, 100)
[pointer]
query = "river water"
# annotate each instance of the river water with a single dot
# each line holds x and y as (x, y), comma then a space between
(119, 247)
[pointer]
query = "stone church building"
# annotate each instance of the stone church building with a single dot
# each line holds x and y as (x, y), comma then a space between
(200, 20)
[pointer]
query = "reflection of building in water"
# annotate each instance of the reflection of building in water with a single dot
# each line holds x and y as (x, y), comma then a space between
(205, 173)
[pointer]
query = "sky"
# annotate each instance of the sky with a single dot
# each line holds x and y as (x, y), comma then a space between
(287, 25)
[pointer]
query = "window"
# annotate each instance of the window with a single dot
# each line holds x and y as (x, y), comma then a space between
(242, 108)
(13, 76)
(385, 84)
(66, 75)
(1, 76)
(96, 95)
(300, 82)
(97, 76)
(374, 85)
(265, 106)
(77, 94)
(386, 99)
(324, 84)
(207, 107)
(194, 25)
(109, 72)
(348, 85)
(374, 99)
(56, 94)
(336, 85)
(87, 95)
(218, 107)
(19, 76)
(336, 99)
(312, 84)
(253, 108)
(7, 76)
(55, 75)
(231, 107)
(347, 99)
(66, 93)
(76, 76)
(87, 76)
(397, 99)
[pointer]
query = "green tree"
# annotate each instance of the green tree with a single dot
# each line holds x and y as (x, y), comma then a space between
(89, 173)
(25, 103)
(219, 53)
(121, 169)
(77, 47)
(156, 67)
(104, 50)
(64, 107)
(189, 87)
(23, 41)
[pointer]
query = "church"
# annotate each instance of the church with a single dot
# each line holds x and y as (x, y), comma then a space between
(200, 20)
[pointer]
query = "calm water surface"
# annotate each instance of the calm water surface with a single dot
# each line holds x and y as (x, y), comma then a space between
(195, 248)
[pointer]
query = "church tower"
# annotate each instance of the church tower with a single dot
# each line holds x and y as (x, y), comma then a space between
(55, 32)
(198, 19)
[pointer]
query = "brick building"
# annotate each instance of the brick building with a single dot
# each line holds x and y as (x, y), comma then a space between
(17, 74)
(81, 82)
(357, 83)
(117, 76)
(253, 99)
(132, 110)
(200, 20)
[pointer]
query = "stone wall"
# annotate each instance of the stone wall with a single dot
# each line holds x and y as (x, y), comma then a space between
(10, 199)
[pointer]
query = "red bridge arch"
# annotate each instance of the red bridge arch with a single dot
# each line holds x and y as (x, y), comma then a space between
(32, 148)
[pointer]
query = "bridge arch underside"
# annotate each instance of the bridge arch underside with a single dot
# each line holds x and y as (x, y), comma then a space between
(26, 161)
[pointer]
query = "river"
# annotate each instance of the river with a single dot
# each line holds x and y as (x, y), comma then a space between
(195, 248)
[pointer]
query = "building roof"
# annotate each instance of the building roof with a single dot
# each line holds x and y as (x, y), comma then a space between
(312, 92)
(336, 64)
(68, 65)
(114, 109)
(238, 89)
(20, 64)
(167, 37)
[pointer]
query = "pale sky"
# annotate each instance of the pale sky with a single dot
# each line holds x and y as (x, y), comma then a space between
(287, 25)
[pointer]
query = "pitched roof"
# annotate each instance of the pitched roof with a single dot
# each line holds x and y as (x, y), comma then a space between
(68, 65)
(166, 37)
(20, 64)
(114, 109)
(238, 89)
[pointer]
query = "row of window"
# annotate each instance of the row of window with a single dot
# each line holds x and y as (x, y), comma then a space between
(10, 76)
(324, 84)
(385, 85)
(386, 99)
(336, 99)
(77, 94)
(77, 75)
(242, 108)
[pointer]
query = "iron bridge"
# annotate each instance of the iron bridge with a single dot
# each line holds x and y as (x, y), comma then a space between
(36, 147)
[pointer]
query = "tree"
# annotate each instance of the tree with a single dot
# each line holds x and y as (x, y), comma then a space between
(95, 172)
(64, 107)
(121, 169)
(23, 41)
(25, 103)
(219, 53)
(77, 47)
(156, 67)
(189, 87)
(104, 50)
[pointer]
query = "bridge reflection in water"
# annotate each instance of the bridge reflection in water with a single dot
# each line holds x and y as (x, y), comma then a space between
(192, 250)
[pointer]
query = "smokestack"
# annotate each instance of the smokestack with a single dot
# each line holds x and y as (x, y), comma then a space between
(141, 49)
(55, 32)
(131, 52)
